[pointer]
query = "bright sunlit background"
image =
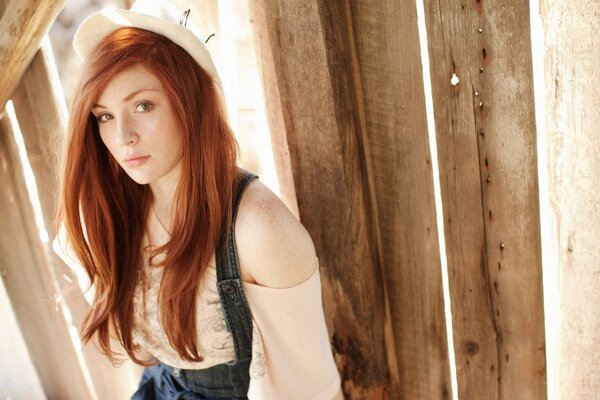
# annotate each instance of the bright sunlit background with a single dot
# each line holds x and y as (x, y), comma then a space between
(232, 48)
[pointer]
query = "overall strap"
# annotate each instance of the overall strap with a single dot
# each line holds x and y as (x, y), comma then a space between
(229, 265)
(229, 285)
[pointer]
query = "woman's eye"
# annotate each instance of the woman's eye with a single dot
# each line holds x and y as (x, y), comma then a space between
(104, 117)
(143, 106)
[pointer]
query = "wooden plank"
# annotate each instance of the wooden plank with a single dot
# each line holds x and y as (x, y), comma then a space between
(572, 120)
(30, 282)
(279, 144)
(486, 142)
(43, 133)
(331, 188)
(22, 27)
(374, 64)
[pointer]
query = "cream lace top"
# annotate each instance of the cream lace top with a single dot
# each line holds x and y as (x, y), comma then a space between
(291, 353)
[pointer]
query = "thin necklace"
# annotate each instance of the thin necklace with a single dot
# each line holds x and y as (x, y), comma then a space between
(158, 219)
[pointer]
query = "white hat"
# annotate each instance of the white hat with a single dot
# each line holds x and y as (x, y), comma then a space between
(157, 16)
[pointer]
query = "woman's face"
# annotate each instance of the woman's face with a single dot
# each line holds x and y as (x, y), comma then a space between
(139, 127)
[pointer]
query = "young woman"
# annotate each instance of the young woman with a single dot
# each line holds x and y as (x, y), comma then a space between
(197, 269)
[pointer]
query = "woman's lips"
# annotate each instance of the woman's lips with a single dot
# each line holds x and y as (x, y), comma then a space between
(136, 161)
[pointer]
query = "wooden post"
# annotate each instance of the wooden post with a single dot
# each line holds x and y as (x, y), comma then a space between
(30, 283)
(43, 133)
(374, 64)
(572, 102)
(331, 188)
(23, 24)
(481, 73)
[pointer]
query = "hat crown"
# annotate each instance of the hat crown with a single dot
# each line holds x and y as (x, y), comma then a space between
(158, 16)
(157, 8)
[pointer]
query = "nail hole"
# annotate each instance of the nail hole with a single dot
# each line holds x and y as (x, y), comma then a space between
(454, 80)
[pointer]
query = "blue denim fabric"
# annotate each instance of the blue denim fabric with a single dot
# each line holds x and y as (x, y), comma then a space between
(224, 381)
(162, 382)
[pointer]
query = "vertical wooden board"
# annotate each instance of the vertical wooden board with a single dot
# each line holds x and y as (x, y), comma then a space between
(374, 64)
(30, 284)
(332, 193)
(572, 102)
(43, 133)
(488, 171)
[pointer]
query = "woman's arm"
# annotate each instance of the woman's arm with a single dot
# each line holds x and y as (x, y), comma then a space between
(277, 261)
(274, 249)
(61, 247)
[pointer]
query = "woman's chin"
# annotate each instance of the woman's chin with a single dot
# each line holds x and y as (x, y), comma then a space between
(139, 178)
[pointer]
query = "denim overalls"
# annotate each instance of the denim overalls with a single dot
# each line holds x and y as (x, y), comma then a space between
(223, 381)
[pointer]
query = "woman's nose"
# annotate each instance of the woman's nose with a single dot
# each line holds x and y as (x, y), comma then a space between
(126, 133)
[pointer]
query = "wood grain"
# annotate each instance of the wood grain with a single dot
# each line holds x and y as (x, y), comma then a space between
(572, 121)
(486, 141)
(22, 27)
(374, 64)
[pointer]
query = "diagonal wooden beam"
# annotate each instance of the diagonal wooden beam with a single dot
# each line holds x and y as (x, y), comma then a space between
(22, 27)
(30, 284)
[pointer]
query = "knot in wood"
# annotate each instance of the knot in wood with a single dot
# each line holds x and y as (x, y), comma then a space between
(470, 347)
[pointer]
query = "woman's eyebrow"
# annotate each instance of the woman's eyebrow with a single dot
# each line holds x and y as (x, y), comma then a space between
(133, 94)
(129, 96)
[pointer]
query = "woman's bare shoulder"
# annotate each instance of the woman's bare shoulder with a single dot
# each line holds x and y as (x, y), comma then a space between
(274, 249)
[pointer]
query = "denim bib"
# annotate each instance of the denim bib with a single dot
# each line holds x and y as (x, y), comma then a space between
(223, 381)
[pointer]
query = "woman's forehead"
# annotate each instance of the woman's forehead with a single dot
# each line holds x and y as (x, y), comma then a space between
(127, 81)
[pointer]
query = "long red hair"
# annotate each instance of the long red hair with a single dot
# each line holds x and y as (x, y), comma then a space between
(104, 211)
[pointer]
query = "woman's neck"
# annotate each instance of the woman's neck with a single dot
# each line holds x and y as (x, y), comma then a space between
(163, 200)
(163, 206)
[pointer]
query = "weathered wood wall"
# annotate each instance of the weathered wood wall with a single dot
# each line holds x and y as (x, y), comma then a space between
(572, 120)
(344, 94)
(343, 73)
(486, 141)
(486, 136)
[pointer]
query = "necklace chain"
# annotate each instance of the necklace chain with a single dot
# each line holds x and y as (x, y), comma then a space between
(158, 219)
